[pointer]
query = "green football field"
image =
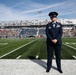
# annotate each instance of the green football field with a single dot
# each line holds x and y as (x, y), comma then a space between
(31, 48)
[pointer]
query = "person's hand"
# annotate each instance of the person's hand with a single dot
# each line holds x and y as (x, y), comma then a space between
(54, 41)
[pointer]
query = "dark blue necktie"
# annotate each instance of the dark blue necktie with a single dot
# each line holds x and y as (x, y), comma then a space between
(54, 25)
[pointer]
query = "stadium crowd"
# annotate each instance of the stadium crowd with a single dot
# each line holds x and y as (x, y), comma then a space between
(18, 29)
(32, 32)
(9, 33)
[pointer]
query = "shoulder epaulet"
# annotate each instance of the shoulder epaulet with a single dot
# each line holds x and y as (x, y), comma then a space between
(48, 24)
(59, 23)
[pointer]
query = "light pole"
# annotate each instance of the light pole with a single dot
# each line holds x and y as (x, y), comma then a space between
(40, 16)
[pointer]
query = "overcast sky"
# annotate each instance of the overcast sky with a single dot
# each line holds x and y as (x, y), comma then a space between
(28, 9)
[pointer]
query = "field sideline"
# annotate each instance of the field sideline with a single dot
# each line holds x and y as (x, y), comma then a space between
(30, 48)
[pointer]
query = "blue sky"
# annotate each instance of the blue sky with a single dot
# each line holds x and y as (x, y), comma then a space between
(28, 9)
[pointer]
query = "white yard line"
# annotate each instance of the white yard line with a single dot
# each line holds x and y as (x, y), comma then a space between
(74, 56)
(3, 43)
(69, 46)
(16, 49)
(18, 57)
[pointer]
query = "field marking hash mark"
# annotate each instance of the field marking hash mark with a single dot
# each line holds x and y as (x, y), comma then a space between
(18, 57)
(74, 56)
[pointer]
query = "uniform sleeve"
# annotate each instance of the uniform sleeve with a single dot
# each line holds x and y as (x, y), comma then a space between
(47, 33)
(60, 32)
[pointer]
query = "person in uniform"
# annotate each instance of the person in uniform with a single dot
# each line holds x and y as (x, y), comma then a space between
(54, 34)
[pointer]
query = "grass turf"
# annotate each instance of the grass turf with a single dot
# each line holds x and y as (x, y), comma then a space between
(37, 47)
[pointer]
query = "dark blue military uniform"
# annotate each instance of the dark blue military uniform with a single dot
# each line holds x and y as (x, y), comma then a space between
(53, 31)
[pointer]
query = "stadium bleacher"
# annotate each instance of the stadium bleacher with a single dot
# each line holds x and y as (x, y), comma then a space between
(27, 28)
(29, 32)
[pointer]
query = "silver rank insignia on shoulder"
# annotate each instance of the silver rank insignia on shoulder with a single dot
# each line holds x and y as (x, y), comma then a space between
(49, 27)
(58, 25)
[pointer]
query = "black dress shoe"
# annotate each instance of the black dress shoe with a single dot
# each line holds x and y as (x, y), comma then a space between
(47, 70)
(60, 71)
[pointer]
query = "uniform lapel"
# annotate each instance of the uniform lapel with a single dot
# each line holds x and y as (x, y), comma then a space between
(51, 25)
(56, 25)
